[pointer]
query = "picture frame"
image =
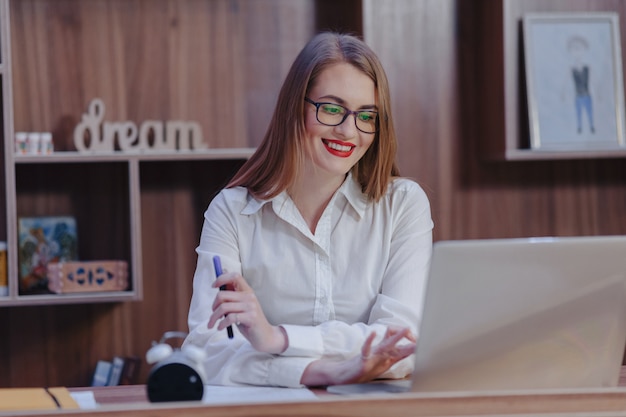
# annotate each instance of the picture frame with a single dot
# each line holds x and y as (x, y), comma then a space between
(574, 81)
(44, 240)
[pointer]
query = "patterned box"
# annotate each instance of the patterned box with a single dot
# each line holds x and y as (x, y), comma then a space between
(91, 276)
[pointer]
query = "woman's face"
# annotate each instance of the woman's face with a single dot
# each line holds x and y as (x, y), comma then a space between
(336, 149)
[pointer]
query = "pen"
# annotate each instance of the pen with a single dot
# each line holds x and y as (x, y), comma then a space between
(217, 264)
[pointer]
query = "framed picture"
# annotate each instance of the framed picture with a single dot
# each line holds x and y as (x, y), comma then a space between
(43, 240)
(574, 81)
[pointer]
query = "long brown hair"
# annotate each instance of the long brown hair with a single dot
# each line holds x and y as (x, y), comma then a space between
(275, 164)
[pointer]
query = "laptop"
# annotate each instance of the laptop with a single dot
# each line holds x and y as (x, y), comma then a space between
(519, 314)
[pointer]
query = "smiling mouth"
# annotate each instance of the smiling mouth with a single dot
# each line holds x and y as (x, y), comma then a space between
(338, 149)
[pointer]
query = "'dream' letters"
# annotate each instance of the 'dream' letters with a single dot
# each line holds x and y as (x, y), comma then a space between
(94, 135)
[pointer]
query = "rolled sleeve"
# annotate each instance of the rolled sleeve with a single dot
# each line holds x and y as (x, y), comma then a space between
(304, 341)
(287, 371)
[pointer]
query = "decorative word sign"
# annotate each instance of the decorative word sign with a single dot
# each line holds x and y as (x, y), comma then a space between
(92, 135)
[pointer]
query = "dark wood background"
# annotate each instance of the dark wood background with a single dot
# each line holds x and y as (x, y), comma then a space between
(221, 62)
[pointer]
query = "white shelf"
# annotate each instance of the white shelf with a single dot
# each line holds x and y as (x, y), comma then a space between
(75, 298)
(71, 156)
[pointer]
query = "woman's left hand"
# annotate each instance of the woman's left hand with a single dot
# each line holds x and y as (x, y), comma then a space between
(240, 307)
(373, 361)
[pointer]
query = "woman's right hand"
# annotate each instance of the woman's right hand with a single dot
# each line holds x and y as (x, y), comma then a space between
(373, 361)
(240, 307)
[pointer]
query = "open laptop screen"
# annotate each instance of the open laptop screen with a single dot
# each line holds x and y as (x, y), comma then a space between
(523, 314)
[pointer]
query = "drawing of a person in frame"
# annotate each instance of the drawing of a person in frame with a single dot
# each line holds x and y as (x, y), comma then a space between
(574, 91)
(577, 47)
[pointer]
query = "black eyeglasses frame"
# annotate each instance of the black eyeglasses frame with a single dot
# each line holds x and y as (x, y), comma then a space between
(345, 116)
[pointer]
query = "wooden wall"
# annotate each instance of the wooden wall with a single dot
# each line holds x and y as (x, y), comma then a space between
(221, 62)
(417, 42)
(435, 62)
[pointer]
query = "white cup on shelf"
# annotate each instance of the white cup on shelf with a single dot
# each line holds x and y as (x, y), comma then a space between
(34, 143)
(46, 143)
(21, 143)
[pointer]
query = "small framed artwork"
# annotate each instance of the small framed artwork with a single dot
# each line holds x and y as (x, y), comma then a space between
(574, 81)
(43, 240)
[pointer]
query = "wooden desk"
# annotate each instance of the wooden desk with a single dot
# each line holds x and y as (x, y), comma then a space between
(131, 401)
(591, 403)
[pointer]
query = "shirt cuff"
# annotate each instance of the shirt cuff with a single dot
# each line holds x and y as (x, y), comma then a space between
(287, 372)
(303, 341)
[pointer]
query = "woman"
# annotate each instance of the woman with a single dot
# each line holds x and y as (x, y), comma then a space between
(325, 250)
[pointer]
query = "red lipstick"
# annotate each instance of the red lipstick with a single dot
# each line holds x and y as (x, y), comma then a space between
(339, 152)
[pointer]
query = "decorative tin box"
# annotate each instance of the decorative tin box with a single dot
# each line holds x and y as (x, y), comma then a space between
(91, 276)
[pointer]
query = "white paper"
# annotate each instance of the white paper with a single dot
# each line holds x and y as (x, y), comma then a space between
(85, 399)
(214, 394)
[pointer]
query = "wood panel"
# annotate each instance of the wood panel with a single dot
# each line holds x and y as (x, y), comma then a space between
(131, 401)
(509, 41)
(220, 62)
(173, 202)
(497, 47)
(3, 208)
(5, 125)
(48, 190)
(417, 45)
(527, 198)
(216, 62)
(434, 69)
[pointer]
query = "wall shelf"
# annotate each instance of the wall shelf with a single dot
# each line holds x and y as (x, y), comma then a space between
(502, 119)
(114, 196)
(71, 156)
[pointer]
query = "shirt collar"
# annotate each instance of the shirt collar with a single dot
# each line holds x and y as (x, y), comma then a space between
(350, 189)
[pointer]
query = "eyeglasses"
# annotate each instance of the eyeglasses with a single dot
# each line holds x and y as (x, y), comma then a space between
(331, 114)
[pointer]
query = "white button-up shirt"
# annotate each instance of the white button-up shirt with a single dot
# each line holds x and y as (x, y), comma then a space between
(363, 269)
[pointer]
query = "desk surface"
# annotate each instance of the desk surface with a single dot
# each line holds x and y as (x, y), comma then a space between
(131, 401)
